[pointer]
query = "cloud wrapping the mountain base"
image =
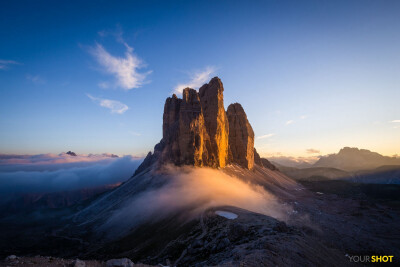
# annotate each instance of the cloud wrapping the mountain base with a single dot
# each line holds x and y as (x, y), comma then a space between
(193, 190)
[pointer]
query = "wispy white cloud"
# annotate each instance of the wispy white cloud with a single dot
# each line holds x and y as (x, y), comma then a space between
(395, 121)
(102, 33)
(114, 105)
(289, 122)
(125, 69)
(312, 151)
(265, 136)
(104, 85)
(303, 117)
(36, 79)
(197, 79)
(4, 64)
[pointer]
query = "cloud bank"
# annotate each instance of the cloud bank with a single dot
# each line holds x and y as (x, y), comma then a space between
(52, 173)
(125, 69)
(297, 162)
(113, 105)
(49, 161)
(197, 79)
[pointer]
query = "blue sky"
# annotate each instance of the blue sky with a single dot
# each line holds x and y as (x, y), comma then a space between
(92, 77)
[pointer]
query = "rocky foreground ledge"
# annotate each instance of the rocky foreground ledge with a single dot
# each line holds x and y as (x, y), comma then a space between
(42, 261)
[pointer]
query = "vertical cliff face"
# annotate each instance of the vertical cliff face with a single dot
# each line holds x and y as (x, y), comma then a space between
(212, 104)
(257, 158)
(197, 131)
(241, 137)
(192, 134)
(171, 128)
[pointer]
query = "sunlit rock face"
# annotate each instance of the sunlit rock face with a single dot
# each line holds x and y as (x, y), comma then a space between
(212, 103)
(241, 137)
(192, 134)
(197, 131)
(195, 128)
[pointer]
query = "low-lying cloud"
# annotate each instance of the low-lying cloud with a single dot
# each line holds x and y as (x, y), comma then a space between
(52, 173)
(290, 161)
(193, 190)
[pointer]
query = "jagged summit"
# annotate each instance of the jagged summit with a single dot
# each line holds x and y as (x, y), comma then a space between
(198, 131)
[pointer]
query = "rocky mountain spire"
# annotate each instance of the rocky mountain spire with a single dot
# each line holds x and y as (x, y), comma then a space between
(197, 131)
(241, 136)
(192, 134)
(212, 104)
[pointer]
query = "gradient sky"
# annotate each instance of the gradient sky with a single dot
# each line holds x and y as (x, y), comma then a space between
(92, 77)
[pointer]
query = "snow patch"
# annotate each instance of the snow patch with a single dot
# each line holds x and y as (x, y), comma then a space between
(226, 214)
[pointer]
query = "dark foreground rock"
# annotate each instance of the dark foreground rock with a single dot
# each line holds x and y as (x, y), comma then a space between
(13, 260)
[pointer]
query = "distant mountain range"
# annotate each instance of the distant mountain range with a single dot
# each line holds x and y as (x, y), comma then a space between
(354, 159)
(353, 164)
(347, 159)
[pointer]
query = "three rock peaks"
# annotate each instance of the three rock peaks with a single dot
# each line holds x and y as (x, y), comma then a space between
(198, 131)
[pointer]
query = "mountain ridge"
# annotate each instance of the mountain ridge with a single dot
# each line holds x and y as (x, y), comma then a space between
(354, 159)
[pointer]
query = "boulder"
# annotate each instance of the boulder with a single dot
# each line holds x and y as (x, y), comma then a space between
(124, 262)
(11, 258)
(78, 263)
